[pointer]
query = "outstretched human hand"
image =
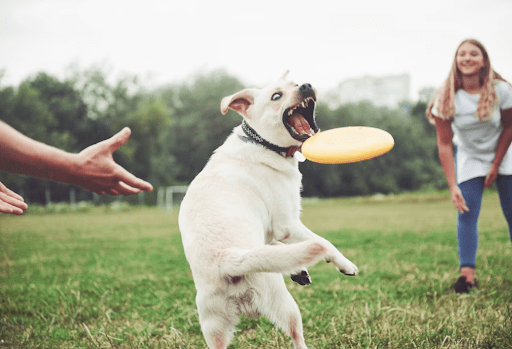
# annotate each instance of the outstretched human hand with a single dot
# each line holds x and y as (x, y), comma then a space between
(98, 172)
(93, 168)
(10, 202)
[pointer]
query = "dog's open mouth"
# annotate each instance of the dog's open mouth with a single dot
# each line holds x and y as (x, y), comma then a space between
(300, 119)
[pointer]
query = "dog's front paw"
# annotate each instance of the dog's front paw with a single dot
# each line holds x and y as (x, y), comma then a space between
(347, 267)
(349, 273)
(302, 278)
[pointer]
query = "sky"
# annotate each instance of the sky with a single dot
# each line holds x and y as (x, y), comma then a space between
(322, 42)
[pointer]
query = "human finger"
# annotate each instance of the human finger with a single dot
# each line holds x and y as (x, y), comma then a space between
(459, 202)
(112, 192)
(126, 189)
(4, 208)
(489, 180)
(119, 139)
(462, 207)
(9, 192)
(122, 188)
(106, 191)
(458, 207)
(131, 181)
(118, 188)
(13, 201)
(7, 208)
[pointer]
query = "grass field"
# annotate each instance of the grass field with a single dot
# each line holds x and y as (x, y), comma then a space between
(119, 279)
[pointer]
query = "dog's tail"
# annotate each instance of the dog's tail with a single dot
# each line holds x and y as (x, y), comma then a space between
(284, 259)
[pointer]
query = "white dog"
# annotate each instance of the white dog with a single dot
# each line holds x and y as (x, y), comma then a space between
(240, 219)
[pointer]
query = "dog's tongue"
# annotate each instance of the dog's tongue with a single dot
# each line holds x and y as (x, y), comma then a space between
(300, 124)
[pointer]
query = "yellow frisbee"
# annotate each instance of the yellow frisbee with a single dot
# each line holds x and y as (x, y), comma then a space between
(347, 144)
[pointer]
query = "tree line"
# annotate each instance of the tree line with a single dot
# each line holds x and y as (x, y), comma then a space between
(176, 127)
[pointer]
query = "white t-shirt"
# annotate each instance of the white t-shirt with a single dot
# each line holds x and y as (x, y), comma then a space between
(477, 140)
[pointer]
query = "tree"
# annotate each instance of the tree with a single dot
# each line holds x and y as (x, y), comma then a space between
(149, 121)
(28, 110)
(410, 165)
(176, 128)
(111, 103)
(198, 127)
(54, 112)
(70, 131)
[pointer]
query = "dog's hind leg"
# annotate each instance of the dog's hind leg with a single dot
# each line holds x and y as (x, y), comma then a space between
(280, 307)
(217, 321)
(217, 332)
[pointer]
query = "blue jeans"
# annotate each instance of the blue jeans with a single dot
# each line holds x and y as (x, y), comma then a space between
(467, 229)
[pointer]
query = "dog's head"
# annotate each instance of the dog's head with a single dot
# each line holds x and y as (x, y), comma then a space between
(283, 113)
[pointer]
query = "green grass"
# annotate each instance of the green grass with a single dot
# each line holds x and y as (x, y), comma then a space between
(107, 279)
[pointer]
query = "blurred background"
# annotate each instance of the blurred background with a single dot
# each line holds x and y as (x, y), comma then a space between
(73, 73)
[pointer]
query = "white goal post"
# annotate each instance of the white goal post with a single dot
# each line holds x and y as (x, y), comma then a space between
(165, 198)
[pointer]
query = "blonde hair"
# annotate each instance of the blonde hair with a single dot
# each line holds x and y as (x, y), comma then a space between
(445, 96)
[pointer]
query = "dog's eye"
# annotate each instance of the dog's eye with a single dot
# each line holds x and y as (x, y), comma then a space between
(277, 96)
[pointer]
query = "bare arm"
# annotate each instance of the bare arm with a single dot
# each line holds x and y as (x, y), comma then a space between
(23, 155)
(503, 145)
(93, 168)
(445, 150)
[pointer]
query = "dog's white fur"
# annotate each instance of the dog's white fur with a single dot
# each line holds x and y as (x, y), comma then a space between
(241, 228)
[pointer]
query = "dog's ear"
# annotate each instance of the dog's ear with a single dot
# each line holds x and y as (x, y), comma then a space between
(239, 102)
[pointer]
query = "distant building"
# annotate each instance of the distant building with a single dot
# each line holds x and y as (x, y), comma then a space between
(385, 91)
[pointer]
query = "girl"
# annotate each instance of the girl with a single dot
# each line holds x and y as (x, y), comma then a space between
(473, 112)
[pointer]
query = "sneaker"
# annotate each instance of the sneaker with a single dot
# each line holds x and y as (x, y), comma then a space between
(462, 286)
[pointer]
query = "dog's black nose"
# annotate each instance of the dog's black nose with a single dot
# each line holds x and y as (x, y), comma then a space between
(305, 87)
(307, 90)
